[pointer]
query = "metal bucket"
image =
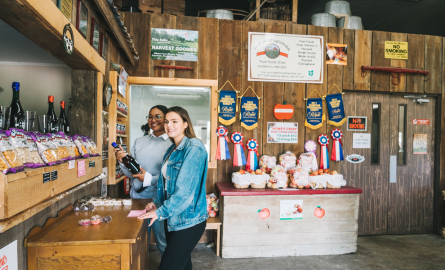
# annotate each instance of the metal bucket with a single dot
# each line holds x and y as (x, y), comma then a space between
(354, 22)
(219, 14)
(337, 7)
(323, 19)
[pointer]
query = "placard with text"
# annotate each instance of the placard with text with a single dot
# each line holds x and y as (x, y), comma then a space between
(282, 132)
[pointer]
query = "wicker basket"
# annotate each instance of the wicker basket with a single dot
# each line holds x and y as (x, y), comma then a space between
(240, 186)
(261, 185)
(331, 186)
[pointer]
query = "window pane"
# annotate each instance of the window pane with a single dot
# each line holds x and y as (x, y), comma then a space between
(375, 134)
(401, 157)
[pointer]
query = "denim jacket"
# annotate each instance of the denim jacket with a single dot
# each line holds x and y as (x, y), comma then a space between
(185, 205)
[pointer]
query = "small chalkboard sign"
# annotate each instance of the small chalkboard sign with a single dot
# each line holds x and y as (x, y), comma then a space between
(46, 177)
(357, 123)
(92, 164)
(53, 175)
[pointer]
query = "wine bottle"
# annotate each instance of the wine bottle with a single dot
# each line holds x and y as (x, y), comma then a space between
(17, 117)
(63, 120)
(53, 123)
(129, 162)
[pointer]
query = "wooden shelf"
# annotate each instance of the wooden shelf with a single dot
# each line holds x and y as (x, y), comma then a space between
(23, 190)
(119, 114)
(119, 135)
(120, 179)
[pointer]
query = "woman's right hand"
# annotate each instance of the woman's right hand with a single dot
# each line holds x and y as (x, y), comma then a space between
(120, 153)
(150, 207)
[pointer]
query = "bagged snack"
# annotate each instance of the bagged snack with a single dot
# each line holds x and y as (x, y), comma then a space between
(73, 147)
(9, 153)
(48, 152)
(308, 162)
(36, 160)
(95, 220)
(4, 167)
(62, 151)
(20, 145)
(84, 222)
(90, 146)
(65, 141)
(78, 140)
(106, 219)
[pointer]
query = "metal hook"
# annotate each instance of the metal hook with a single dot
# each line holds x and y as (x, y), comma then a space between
(363, 73)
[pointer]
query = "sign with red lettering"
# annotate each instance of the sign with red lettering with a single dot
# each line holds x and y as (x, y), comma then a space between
(282, 132)
(357, 123)
(8, 257)
(421, 121)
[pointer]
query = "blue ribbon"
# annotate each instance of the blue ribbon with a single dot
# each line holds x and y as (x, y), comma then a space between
(249, 112)
(314, 113)
(336, 109)
(227, 107)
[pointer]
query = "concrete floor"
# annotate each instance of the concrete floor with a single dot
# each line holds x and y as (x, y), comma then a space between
(421, 251)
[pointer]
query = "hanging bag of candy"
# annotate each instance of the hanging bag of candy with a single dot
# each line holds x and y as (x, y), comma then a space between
(239, 158)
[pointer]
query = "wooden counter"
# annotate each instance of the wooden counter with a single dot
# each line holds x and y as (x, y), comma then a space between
(63, 244)
(246, 235)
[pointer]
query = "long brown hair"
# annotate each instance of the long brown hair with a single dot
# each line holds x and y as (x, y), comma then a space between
(189, 132)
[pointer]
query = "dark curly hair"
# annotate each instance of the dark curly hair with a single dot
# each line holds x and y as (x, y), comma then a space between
(145, 128)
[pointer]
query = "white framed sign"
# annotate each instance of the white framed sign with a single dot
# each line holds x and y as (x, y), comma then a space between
(123, 82)
(291, 209)
(285, 58)
(8, 256)
(361, 140)
(282, 132)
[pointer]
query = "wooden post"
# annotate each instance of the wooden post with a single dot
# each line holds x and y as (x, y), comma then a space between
(83, 96)
(294, 10)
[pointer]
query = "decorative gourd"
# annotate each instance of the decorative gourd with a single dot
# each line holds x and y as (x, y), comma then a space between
(283, 111)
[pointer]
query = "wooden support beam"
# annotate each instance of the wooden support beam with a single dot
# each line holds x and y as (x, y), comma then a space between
(42, 22)
(294, 10)
(105, 9)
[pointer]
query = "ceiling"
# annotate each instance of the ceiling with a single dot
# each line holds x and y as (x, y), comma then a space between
(403, 16)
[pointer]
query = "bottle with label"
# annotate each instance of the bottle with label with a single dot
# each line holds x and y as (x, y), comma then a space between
(63, 120)
(17, 117)
(53, 123)
(129, 162)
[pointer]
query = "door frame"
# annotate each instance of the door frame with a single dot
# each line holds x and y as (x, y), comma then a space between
(438, 202)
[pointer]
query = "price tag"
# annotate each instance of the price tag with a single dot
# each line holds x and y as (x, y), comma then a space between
(46, 177)
(53, 175)
(71, 164)
(92, 164)
(81, 168)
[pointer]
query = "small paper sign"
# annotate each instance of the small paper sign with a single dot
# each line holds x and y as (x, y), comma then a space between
(136, 213)
(46, 177)
(291, 209)
(361, 140)
(92, 164)
(8, 257)
(396, 50)
(71, 164)
(421, 121)
(420, 144)
(81, 168)
(282, 132)
(53, 175)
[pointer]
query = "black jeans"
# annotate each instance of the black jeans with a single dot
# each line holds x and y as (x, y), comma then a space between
(180, 244)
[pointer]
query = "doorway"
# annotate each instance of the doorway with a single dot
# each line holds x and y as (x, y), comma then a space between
(397, 174)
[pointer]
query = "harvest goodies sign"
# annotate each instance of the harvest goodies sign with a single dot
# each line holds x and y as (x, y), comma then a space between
(281, 132)
(174, 44)
(357, 123)
(285, 58)
(396, 50)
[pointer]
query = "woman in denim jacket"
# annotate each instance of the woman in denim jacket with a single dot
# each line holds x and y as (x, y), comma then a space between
(181, 196)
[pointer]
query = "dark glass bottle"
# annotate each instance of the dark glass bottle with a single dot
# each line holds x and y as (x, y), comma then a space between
(129, 162)
(17, 118)
(63, 120)
(53, 123)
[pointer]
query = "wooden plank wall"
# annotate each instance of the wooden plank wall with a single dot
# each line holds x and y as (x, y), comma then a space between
(223, 56)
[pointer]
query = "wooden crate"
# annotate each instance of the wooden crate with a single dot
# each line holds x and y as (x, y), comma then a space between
(150, 6)
(23, 190)
(173, 7)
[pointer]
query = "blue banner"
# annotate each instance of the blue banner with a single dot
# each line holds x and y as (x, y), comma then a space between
(249, 112)
(336, 109)
(227, 107)
(314, 113)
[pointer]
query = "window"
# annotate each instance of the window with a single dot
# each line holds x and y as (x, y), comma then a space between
(401, 155)
(375, 134)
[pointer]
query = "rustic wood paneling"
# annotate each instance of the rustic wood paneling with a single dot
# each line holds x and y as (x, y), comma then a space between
(273, 94)
(257, 86)
(83, 96)
(401, 87)
(187, 23)
(348, 71)
(379, 80)
(161, 21)
(362, 57)
(416, 60)
(230, 40)
(433, 56)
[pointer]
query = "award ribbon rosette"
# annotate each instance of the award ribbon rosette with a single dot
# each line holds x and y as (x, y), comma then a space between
(252, 156)
(314, 112)
(323, 140)
(336, 109)
(239, 159)
(222, 151)
(310, 146)
(337, 150)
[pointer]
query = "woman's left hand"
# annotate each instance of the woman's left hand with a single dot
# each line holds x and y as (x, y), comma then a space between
(151, 214)
(140, 176)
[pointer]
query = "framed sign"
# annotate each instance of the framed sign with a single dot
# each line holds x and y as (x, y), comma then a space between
(420, 144)
(66, 6)
(282, 132)
(336, 54)
(361, 140)
(82, 19)
(396, 50)
(95, 34)
(357, 123)
(103, 46)
(174, 44)
(285, 58)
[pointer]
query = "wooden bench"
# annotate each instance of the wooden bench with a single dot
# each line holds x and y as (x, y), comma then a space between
(215, 224)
